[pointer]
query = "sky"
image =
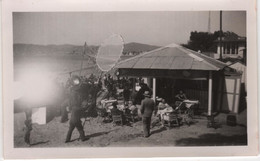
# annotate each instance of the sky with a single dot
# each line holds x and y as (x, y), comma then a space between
(155, 28)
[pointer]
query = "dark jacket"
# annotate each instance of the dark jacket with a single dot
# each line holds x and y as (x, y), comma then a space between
(147, 107)
(76, 114)
(126, 93)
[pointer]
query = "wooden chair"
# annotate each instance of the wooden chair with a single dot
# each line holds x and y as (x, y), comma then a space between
(102, 113)
(117, 118)
(131, 115)
(172, 119)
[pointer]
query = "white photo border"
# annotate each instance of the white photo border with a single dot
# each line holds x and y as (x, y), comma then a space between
(10, 6)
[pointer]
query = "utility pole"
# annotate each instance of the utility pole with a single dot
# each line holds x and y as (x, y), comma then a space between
(220, 36)
(209, 23)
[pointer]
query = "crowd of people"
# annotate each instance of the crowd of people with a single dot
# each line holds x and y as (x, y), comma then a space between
(79, 96)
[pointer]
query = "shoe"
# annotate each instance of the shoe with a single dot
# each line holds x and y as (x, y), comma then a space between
(28, 144)
(84, 139)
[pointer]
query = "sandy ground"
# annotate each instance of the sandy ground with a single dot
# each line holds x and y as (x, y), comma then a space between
(101, 134)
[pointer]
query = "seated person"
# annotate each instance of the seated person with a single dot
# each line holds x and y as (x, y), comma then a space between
(162, 105)
(115, 110)
(180, 96)
(164, 108)
(133, 109)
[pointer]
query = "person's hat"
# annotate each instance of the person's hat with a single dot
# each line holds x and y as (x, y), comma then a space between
(115, 103)
(147, 94)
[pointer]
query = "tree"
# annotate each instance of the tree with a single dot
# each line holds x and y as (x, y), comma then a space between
(205, 42)
(202, 41)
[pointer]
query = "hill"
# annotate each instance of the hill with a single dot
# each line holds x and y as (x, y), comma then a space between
(137, 48)
(67, 49)
(32, 49)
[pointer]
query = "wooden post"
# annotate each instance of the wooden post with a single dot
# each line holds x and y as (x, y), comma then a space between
(220, 38)
(154, 88)
(210, 94)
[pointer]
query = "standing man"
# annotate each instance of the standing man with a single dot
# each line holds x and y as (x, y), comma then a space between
(147, 108)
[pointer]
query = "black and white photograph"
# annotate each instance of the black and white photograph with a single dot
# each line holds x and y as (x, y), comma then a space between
(124, 79)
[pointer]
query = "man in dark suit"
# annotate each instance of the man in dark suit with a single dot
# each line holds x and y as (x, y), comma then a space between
(75, 121)
(147, 108)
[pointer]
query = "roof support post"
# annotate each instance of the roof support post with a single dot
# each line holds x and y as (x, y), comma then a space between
(210, 94)
(154, 88)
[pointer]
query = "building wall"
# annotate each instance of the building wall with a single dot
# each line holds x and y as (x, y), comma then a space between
(241, 68)
(231, 49)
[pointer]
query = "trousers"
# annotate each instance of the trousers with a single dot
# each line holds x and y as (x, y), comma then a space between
(28, 129)
(146, 126)
(79, 127)
(27, 136)
(64, 114)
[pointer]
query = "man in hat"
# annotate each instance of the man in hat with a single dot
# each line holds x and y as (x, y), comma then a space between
(147, 108)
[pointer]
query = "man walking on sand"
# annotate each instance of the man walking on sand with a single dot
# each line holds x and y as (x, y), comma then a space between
(147, 108)
(75, 121)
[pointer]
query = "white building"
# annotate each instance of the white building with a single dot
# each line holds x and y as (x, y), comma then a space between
(232, 47)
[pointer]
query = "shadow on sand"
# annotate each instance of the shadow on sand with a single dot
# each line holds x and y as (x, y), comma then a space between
(213, 140)
(94, 135)
(41, 142)
(158, 130)
(98, 134)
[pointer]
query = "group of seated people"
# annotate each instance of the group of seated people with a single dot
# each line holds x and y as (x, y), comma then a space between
(128, 108)
(113, 108)
(164, 108)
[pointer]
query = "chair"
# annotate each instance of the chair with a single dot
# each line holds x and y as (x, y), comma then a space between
(117, 118)
(131, 115)
(172, 119)
(102, 113)
(180, 107)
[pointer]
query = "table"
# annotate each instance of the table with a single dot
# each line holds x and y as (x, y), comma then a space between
(189, 103)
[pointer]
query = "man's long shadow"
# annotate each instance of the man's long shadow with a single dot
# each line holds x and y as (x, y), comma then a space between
(41, 142)
(98, 134)
(95, 135)
(158, 130)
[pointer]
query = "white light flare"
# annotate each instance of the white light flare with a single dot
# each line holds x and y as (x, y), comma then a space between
(18, 90)
(34, 87)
